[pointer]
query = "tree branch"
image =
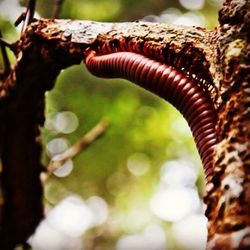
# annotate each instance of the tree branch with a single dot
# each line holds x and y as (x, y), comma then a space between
(89, 138)
(177, 44)
(46, 47)
(29, 14)
(220, 57)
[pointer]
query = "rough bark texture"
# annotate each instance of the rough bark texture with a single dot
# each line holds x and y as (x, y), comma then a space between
(228, 196)
(22, 112)
(220, 56)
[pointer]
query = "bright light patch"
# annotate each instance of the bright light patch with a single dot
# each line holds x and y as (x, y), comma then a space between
(180, 173)
(10, 9)
(132, 242)
(66, 122)
(191, 232)
(138, 164)
(150, 18)
(56, 146)
(173, 203)
(156, 236)
(51, 238)
(65, 169)
(47, 237)
(71, 216)
(153, 238)
(135, 219)
(190, 19)
(169, 15)
(181, 127)
(99, 208)
(192, 5)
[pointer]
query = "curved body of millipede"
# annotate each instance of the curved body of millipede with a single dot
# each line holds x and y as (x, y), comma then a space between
(170, 84)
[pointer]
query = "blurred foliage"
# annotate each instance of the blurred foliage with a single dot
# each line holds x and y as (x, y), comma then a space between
(140, 123)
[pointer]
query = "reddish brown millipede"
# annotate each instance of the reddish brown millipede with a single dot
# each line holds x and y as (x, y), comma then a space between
(171, 84)
(191, 63)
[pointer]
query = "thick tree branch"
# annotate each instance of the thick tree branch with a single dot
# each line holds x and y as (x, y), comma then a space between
(46, 47)
(21, 114)
(228, 197)
(191, 45)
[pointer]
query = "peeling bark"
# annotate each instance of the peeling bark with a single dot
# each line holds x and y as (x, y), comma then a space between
(221, 56)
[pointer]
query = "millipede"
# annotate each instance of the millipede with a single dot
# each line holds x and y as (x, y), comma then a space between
(191, 63)
(171, 84)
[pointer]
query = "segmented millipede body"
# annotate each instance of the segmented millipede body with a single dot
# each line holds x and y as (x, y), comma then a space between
(192, 63)
(170, 84)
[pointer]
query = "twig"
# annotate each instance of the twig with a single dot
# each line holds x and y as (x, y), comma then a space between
(57, 8)
(20, 19)
(94, 134)
(6, 43)
(31, 11)
(29, 15)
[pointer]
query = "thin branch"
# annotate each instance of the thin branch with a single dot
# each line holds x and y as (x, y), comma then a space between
(57, 9)
(7, 44)
(31, 8)
(89, 138)
(29, 15)
(20, 19)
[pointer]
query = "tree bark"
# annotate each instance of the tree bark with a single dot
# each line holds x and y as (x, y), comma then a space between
(228, 195)
(221, 57)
